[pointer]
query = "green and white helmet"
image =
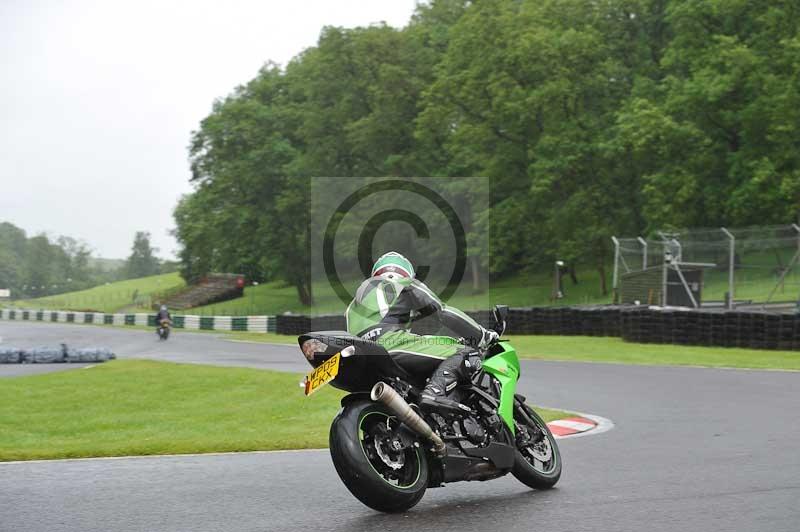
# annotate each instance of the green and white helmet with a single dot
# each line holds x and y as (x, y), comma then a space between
(393, 265)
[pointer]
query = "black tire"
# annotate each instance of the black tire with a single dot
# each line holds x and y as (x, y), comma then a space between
(355, 468)
(531, 472)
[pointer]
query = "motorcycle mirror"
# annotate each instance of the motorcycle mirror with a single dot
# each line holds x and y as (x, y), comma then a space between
(500, 314)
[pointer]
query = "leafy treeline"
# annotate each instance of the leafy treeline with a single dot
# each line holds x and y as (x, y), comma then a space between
(142, 261)
(37, 266)
(40, 266)
(590, 119)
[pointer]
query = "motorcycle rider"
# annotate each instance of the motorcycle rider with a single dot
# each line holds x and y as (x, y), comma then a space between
(163, 314)
(384, 308)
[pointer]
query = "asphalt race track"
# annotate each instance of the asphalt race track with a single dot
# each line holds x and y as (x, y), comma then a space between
(692, 450)
(201, 348)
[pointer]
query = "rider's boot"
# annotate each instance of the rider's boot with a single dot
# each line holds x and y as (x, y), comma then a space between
(450, 373)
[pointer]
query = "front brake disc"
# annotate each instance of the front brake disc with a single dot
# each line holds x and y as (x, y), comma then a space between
(541, 450)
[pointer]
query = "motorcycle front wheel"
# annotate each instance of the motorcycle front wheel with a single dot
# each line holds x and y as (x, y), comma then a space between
(375, 471)
(538, 461)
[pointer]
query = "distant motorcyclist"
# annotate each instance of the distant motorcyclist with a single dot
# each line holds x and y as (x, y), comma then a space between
(163, 314)
(163, 318)
(383, 310)
(163, 322)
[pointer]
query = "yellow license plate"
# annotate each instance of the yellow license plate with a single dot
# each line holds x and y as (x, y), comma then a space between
(323, 374)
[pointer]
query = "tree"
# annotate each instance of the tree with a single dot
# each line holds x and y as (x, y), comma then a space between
(715, 138)
(246, 213)
(9, 271)
(13, 243)
(142, 262)
(344, 108)
(588, 118)
(39, 267)
(525, 94)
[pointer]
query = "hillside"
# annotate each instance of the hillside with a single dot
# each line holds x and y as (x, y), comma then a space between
(277, 297)
(518, 291)
(524, 290)
(106, 265)
(132, 294)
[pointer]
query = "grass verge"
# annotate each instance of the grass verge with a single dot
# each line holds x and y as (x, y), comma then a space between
(521, 290)
(137, 407)
(110, 297)
(615, 350)
(585, 349)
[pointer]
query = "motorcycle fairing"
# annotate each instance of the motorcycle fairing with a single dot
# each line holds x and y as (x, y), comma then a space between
(503, 365)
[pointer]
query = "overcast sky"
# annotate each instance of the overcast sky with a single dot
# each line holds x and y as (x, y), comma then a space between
(98, 100)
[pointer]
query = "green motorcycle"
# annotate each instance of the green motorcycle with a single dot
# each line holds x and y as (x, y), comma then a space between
(388, 452)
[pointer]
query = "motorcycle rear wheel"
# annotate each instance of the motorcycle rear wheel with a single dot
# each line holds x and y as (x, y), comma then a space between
(379, 476)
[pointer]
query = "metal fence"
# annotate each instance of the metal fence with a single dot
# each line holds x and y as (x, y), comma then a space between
(745, 266)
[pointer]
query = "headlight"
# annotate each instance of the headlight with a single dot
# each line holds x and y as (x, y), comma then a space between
(312, 346)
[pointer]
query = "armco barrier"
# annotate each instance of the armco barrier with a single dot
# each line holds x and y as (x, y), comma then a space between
(261, 324)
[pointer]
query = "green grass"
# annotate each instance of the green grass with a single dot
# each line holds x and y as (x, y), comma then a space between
(110, 297)
(519, 291)
(756, 274)
(584, 349)
(137, 407)
(615, 350)
(269, 338)
(524, 290)
(273, 298)
(754, 281)
(752, 284)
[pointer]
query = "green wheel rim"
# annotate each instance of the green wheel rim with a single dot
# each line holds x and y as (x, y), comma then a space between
(548, 437)
(369, 461)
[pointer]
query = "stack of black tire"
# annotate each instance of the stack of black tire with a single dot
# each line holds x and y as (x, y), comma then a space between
(54, 355)
(757, 330)
(599, 320)
(295, 325)
(760, 330)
